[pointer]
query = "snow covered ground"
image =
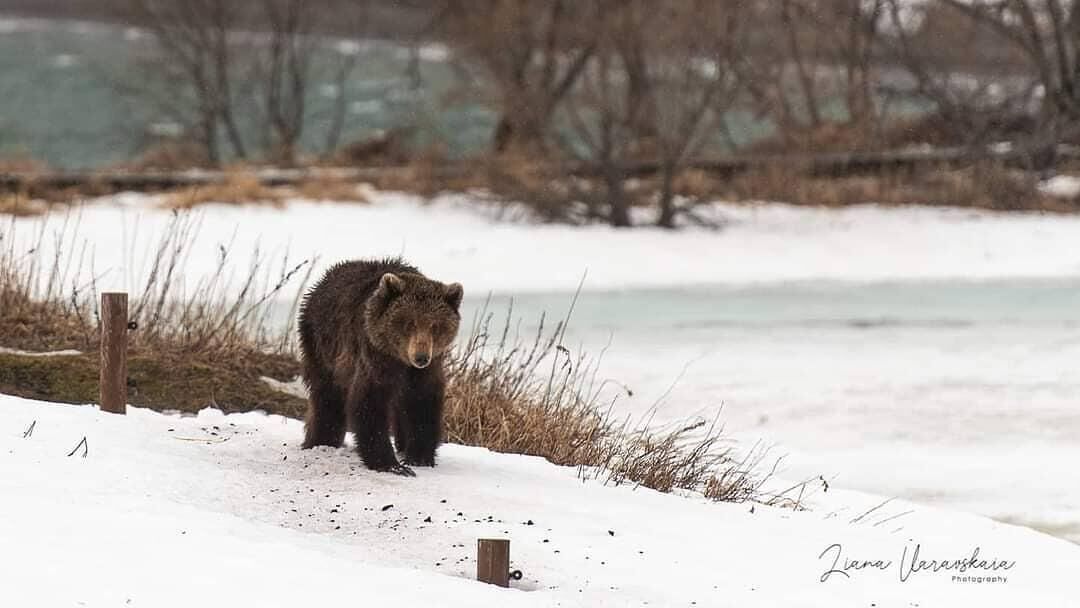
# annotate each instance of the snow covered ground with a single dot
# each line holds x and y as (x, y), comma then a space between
(1063, 186)
(922, 353)
(450, 238)
(220, 510)
(966, 393)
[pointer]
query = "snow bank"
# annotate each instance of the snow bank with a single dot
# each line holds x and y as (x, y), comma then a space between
(51, 353)
(1064, 186)
(455, 239)
(226, 510)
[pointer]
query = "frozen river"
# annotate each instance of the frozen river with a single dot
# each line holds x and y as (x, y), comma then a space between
(962, 394)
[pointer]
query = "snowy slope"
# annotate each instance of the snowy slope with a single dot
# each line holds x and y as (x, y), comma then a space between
(453, 238)
(226, 511)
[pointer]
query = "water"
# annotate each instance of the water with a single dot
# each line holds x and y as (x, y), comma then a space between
(963, 395)
(73, 94)
(81, 95)
(84, 95)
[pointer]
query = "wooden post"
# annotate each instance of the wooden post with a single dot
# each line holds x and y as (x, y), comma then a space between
(114, 325)
(493, 561)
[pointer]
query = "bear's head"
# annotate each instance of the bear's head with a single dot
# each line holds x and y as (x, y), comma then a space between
(413, 318)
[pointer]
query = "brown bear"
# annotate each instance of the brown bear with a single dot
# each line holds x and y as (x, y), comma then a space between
(373, 335)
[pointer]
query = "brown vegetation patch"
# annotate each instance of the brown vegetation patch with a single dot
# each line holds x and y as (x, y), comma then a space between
(538, 399)
(240, 187)
(19, 204)
(386, 148)
(244, 186)
(328, 187)
(983, 186)
(169, 155)
(155, 380)
(827, 137)
(36, 326)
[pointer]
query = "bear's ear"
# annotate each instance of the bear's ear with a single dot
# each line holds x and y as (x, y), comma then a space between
(390, 285)
(454, 293)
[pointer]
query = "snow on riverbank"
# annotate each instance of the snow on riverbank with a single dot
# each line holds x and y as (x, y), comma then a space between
(215, 510)
(454, 238)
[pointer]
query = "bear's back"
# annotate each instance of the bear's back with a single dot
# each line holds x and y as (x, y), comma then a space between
(332, 309)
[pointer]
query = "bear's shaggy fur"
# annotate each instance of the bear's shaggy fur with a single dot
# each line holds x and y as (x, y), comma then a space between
(373, 335)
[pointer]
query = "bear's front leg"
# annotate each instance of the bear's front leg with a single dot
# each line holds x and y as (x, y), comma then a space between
(370, 405)
(422, 404)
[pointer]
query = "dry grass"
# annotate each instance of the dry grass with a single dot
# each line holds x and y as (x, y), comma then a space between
(538, 399)
(387, 148)
(840, 137)
(29, 198)
(551, 197)
(327, 187)
(426, 174)
(241, 186)
(987, 185)
(211, 343)
(168, 155)
(829, 137)
(547, 190)
(20, 204)
(217, 330)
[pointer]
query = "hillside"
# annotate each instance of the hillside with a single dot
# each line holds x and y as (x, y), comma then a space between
(215, 510)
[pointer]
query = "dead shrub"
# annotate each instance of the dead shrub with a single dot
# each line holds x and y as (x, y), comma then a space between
(900, 132)
(828, 137)
(426, 174)
(697, 184)
(538, 399)
(388, 147)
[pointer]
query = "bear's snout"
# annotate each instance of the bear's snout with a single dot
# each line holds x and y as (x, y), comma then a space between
(420, 348)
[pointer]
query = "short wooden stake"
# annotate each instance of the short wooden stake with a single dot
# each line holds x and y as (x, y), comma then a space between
(114, 326)
(493, 561)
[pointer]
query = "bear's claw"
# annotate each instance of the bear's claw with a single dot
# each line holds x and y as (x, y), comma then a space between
(400, 469)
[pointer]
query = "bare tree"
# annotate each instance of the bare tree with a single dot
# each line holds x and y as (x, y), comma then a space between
(285, 70)
(688, 70)
(346, 64)
(814, 62)
(529, 52)
(1037, 45)
(241, 73)
(193, 38)
(991, 70)
(660, 78)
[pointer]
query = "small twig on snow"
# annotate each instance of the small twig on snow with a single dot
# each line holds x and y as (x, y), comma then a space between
(872, 509)
(82, 444)
(30, 430)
